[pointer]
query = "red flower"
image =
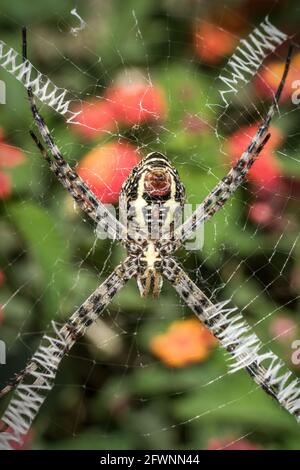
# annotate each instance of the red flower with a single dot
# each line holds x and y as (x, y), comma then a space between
(130, 102)
(95, 119)
(283, 328)
(106, 167)
(135, 101)
(268, 207)
(193, 124)
(2, 278)
(5, 186)
(10, 156)
(212, 43)
(266, 170)
(266, 83)
(25, 440)
(261, 212)
(231, 444)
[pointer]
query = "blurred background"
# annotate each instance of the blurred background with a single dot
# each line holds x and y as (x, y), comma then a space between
(148, 375)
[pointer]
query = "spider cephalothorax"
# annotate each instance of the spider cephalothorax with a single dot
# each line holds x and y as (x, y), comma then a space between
(152, 199)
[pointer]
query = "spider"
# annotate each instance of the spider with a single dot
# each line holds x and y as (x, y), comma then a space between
(154, 182)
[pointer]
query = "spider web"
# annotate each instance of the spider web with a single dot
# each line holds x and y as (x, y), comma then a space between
(112, 391)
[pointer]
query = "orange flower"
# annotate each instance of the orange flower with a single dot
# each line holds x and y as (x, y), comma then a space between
(266, 83)
(136, 102)
(106, 167)
(185, 342)
(212, 43)
(10, 157)
(266, 170)
(96, 118)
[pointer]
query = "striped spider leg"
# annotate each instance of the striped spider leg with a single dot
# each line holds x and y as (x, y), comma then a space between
(68, 177)
(37, 379)
(239, 340)
(237, 174)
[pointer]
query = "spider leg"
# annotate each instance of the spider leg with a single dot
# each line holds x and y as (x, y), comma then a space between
(237, 338)
(237, 174)
(67, 176)
(37, 379)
